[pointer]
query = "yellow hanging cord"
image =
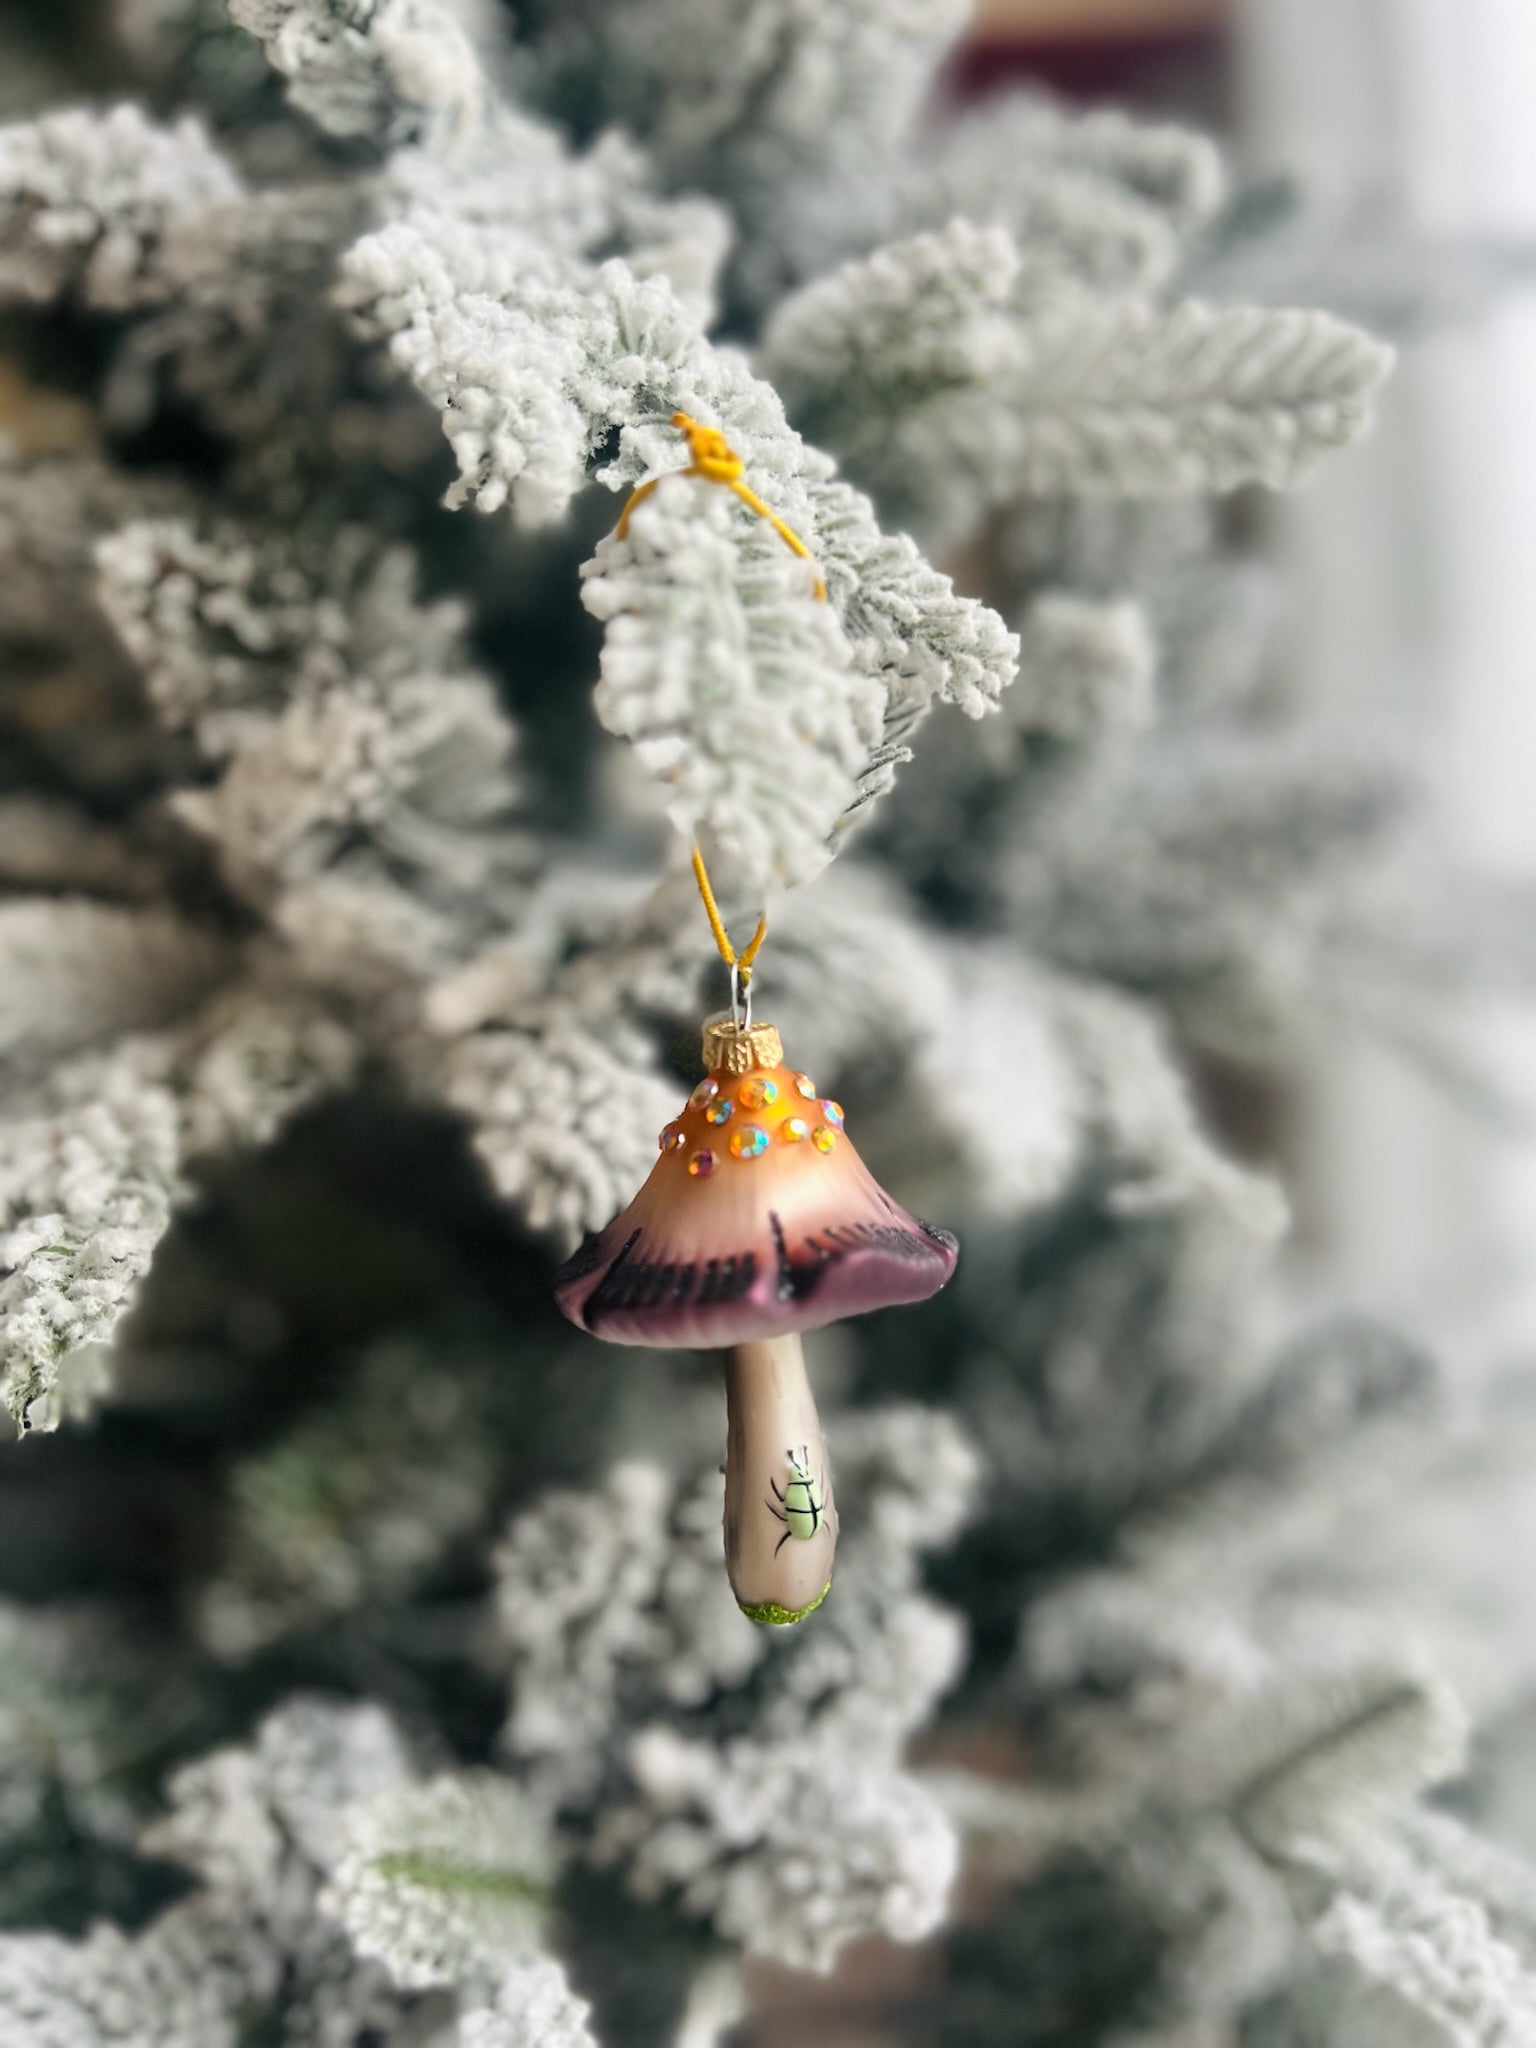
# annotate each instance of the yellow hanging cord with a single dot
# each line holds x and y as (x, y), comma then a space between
(742, 961)
(712, 457)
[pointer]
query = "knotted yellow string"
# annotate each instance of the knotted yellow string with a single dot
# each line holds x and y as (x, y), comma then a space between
(712, 457)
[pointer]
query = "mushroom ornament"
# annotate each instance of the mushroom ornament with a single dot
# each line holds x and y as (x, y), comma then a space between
(758, 1221)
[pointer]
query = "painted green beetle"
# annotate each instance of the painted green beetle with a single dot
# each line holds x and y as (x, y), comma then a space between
(803, 1502)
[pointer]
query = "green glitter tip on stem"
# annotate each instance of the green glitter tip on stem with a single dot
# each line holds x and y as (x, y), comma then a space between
(769, 1614)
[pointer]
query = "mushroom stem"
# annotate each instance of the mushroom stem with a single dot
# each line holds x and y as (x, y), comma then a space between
(780, 1520)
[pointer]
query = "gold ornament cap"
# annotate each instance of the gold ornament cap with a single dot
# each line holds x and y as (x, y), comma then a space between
(731, 1048)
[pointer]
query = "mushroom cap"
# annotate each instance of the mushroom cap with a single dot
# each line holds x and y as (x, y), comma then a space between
(758, 1220)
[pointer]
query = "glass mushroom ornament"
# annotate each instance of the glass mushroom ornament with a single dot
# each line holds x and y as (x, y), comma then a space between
(759, 1221)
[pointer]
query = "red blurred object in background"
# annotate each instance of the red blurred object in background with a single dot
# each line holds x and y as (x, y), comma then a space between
(1160, 53)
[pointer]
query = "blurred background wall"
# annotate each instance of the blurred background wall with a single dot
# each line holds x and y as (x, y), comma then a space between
(1408, 562)
(1424, 106)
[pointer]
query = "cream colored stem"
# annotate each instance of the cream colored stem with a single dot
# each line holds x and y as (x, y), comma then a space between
(771, 1416)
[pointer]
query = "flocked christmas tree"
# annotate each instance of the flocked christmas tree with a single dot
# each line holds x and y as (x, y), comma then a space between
(367, 1672)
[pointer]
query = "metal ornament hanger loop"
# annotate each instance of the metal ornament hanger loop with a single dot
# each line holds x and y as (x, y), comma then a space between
(741, 996)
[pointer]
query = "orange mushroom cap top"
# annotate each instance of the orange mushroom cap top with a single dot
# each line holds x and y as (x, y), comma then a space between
(758, 1219)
